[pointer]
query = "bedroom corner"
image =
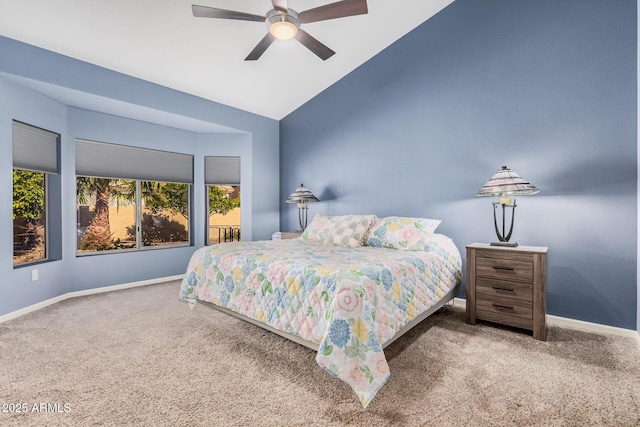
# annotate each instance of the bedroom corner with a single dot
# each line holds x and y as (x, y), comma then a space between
(497, 83)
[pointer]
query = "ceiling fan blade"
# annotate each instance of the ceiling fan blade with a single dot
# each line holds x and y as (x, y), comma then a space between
(314, 45)
(212, 12)
(280, 5)
(335, 10)
(260, 47)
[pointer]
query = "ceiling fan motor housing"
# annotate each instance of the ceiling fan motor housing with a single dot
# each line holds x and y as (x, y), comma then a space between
(282, 25)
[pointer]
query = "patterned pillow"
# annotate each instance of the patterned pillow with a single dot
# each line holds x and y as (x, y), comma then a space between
(345, 230)
(409, 234)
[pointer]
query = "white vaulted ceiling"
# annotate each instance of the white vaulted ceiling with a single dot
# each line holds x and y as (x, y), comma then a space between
(160, 41)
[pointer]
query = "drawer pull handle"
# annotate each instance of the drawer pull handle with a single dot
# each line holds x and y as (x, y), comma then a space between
(500, 267)
(498, 288)
(504, 307)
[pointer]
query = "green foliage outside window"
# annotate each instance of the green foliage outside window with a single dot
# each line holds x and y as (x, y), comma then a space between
(160, 197)
(28, 195)
(28, 216)
(173, 197)
(221, 202)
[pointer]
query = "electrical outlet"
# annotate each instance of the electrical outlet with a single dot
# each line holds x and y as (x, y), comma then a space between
(34, 275)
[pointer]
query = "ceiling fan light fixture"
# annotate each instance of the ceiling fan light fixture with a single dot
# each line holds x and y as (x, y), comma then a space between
(283, 30)
(283, 25)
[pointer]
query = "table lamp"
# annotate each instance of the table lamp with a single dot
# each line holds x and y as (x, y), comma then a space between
(503, 184)
(302, 196)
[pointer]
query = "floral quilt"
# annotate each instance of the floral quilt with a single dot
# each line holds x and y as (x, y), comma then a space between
(350, 301)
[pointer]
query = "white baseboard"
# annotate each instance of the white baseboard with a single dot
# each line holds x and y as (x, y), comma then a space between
(457, 302)
(575, 324)
(68, 295)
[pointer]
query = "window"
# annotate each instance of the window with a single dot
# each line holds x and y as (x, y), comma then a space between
(144, 204)
(165, 213)
(106, 212)
(222, 177)
(35, 161)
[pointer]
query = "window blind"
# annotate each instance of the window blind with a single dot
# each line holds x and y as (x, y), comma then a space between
(34, 148)
(222, 170)
(106, 160)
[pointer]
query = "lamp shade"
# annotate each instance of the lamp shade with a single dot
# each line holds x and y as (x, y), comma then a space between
(302, 195)
(507, 182)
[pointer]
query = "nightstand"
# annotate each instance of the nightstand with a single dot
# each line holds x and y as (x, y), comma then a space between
(508, 286)
(282, 235)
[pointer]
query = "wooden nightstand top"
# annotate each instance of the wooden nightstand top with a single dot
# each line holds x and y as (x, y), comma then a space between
(532, 249)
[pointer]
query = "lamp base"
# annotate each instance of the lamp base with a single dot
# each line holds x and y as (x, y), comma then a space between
(505, 244)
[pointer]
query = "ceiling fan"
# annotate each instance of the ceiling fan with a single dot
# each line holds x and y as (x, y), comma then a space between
(284, 23)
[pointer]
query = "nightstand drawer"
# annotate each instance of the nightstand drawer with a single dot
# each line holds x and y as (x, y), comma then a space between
(491, 288)
(504, 307)
(505, 268)
(504, 319)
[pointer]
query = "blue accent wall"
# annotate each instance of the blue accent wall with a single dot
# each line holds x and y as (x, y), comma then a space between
(27, 72)
(546, 87)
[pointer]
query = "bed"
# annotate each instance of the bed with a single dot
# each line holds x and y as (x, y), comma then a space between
(347, 288)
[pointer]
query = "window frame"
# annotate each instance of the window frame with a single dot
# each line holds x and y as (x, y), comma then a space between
(138, 224)
(208, 216)
(46, 224)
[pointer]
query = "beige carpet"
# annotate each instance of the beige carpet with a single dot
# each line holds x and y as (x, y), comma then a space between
(140, 357)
